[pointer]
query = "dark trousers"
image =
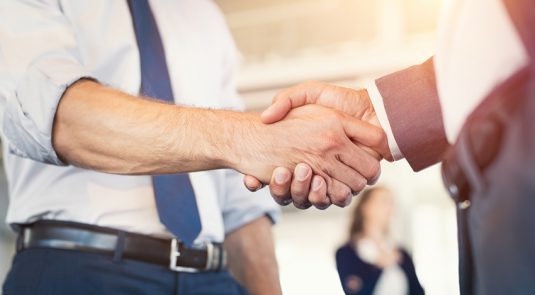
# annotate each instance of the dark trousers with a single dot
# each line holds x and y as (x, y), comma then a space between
(497, 232)
(51, 271)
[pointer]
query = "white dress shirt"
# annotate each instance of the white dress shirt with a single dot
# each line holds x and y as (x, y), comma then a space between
(48, 44)
(478, 49)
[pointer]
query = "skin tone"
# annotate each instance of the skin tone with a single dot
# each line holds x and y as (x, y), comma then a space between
(251, 256)
(106, 130)
(377, 214)
(103, 129)
(297, 188)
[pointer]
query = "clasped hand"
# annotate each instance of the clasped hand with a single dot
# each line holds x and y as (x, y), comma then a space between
(346, 152)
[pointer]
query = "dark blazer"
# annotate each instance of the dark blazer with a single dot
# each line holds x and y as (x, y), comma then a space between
(349, 265)
(412, 104)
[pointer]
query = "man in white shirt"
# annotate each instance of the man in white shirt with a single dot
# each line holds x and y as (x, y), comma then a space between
(478, 94)
(95, 190)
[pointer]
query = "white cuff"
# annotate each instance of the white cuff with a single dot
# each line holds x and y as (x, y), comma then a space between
(377, 102)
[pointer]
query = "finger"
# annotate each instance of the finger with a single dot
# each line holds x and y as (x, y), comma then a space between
(364, 133)
(339, 193)
(280, 186)
(251, 183)
(318, 193)
(348, 176)
(362, 162)
(301, 185)
(277, 111)
(375, 179)
(370, 151)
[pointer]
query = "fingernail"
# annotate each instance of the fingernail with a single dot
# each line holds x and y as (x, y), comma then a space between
(316, 184)
(301, 172)
(281, 177)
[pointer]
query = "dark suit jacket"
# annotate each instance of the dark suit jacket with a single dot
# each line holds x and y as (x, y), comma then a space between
(411, 100)
(492, 260)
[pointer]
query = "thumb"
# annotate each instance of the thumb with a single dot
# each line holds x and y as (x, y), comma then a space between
(287, 100)
(368, 135)
(364, 133)
(277, 111)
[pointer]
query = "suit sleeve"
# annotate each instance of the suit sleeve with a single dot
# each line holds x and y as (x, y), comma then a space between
(412, 105)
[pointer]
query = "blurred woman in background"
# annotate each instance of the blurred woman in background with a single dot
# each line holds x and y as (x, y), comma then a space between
(370, 263)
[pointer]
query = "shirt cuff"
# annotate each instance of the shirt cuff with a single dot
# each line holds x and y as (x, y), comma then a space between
(249, 211)
(380, 111)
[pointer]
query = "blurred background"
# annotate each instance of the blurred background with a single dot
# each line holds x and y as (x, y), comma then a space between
(346, 42)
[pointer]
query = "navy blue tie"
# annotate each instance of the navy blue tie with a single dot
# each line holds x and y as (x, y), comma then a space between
(175, 199)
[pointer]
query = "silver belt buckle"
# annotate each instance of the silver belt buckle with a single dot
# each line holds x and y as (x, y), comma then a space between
(175, 253)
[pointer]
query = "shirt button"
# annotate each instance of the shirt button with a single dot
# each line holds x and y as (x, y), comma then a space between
(453, 189)
(465, 205)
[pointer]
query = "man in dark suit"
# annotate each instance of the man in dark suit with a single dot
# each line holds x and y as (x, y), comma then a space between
(472, 108)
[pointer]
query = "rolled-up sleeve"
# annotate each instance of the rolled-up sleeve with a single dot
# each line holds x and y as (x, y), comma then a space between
(42, 59)
(242, 206)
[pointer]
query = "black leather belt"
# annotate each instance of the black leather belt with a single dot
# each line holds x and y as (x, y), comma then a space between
(89, 238)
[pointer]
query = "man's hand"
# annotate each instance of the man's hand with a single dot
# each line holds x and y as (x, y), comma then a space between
(323, 139)
(355, 103)
(102, 129)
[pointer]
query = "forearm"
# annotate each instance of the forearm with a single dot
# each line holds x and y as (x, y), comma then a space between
(102, 129)
(106, 130)
(251, 255)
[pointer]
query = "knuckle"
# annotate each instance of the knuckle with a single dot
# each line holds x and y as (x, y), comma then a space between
(340, 199)
(298, 193)
(359, 186)
(321, 204)
(332, 141)
(335, 116)
(281, 199)
(373, 169)
(278, 193)
(379, 136)
(284, 202)
(323, 207)
(302, 206)
(319, 200)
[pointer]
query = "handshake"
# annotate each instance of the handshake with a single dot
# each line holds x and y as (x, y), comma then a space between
(326, 146)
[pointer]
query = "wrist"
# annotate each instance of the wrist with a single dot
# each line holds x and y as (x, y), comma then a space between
(369, 115)
(376, 115)
(241, 135)
(203, 137)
